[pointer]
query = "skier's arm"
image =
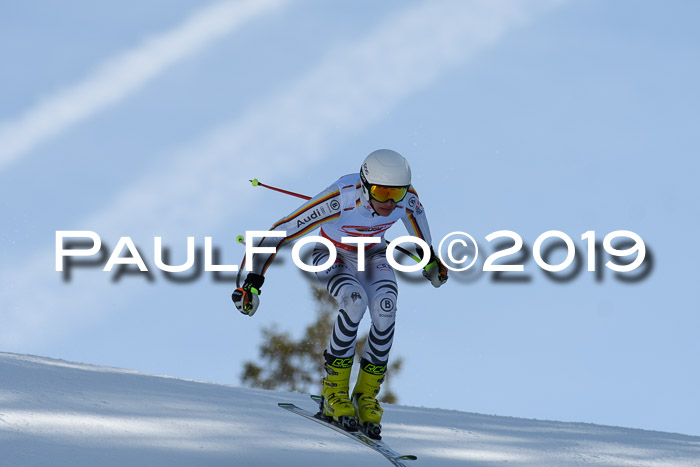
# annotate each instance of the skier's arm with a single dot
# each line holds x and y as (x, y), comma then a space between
(415, 220)
(416, 223)
(322, 208)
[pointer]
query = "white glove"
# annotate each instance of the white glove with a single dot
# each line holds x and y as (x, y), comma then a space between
(435, 272)
(246, 300)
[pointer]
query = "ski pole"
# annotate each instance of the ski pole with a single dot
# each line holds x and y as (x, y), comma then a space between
(256, 182)
(239, 239)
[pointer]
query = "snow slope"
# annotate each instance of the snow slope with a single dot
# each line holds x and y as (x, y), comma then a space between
(56, 413)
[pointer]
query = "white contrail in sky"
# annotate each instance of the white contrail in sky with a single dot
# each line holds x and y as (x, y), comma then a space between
(120, 76)
(355, 85)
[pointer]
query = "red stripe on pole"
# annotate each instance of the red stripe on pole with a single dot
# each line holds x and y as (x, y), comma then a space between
(283, 191)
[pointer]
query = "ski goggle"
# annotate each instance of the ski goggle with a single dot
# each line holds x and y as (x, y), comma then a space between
(386, 193)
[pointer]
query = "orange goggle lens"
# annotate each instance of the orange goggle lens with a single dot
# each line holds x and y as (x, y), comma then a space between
(385, 193)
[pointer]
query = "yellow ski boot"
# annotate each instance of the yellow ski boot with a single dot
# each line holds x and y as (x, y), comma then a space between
(364, 398)
(336, 404)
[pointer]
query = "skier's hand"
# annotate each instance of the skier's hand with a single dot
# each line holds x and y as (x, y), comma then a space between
(246, 298)
(435, 271)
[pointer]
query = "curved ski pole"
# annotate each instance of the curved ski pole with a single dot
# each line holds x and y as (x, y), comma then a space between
(256, 182)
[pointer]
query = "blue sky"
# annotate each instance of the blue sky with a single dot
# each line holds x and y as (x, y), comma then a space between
(529, 116)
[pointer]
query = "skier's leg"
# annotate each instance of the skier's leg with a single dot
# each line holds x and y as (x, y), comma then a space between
(379, 280)
(380, 283)
(341, 283)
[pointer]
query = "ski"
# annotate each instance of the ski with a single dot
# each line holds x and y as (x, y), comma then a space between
(377, 445)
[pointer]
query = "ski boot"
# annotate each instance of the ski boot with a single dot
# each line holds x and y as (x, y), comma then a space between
(335, 404)
(364, 398)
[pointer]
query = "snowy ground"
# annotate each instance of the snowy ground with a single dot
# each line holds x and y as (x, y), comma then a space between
(55, 413)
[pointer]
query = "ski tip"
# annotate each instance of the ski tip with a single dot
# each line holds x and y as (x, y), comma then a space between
(409, 457)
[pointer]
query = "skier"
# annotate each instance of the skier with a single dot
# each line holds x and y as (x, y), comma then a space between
(364, 204)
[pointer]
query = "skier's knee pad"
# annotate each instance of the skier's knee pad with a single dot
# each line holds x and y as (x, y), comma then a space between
(354, 302)
(383, 310)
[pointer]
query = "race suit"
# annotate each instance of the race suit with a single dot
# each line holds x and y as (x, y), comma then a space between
(342, 211)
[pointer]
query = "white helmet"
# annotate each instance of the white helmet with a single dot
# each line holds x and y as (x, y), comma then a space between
(384, 167)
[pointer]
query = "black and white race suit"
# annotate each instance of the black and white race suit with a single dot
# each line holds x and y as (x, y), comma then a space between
(341, 210)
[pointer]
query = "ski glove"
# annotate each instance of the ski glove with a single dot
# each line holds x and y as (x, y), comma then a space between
(435, 271)
(246, 298)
